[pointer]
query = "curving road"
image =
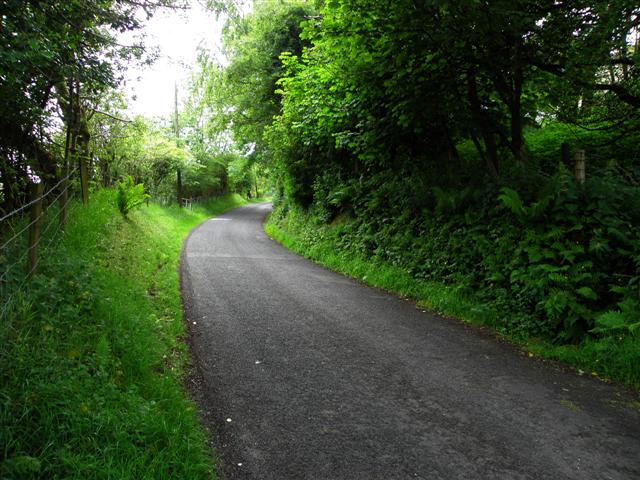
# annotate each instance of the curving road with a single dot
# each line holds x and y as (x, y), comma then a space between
(305, 374)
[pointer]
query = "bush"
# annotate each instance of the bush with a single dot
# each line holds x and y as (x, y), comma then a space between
(130, 196)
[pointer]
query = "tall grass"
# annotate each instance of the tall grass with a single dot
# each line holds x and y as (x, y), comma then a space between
(92, 356)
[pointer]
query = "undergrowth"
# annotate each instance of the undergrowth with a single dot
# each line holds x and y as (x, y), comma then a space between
(92, 355)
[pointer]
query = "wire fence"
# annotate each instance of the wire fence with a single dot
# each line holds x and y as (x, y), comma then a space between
(26, 234)
(190, 202)
(185, 202)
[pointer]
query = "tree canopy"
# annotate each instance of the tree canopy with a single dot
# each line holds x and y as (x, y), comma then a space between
(435, 134)
(59, 60)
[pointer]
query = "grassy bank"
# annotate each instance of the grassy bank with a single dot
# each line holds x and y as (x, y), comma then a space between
(611, 357)
(92, 357)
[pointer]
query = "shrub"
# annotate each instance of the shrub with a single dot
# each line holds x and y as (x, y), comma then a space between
(130, 195)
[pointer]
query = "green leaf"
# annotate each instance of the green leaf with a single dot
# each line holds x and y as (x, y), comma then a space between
(611, 320)
(587, 292)
(512, 201)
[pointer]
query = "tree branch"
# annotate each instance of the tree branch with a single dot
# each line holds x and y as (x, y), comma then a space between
(111, 116)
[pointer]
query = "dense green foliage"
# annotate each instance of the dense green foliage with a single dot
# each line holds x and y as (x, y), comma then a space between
(130, 196)
(231, 107)
(91, 357)
(438, 137)
(59, 61)
(61, 64)
(397, 86)
(557, 266)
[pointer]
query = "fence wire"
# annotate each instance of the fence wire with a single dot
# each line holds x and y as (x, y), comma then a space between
(14, 250)
(41, 197)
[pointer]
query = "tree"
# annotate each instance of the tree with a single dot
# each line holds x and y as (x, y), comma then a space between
(229, 107)
(396, 86)
(57, 55)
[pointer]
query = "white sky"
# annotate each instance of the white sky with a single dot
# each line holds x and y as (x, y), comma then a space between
(178, 36)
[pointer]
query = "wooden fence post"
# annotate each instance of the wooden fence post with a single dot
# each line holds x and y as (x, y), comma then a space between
(84, 180)
(34, 228)
(579, 171)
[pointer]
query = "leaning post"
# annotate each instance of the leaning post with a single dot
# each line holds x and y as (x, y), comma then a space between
(37, 190)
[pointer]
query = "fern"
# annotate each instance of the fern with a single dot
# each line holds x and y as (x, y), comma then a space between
(511, 199)
(513, 202)
(450, 202)
(619, 322)
(130, 196)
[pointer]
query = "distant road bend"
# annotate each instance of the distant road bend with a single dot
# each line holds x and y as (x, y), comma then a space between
(305, 374)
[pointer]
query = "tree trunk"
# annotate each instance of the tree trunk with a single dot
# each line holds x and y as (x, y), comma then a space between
(84, 138)
(84, 147)
(62, 217)
(483, 123)
(179, 188)
(255, 181)
(7, 178)
(517, 139)
(106, 170)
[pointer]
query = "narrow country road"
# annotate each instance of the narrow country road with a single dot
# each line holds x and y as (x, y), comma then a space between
(305, 374)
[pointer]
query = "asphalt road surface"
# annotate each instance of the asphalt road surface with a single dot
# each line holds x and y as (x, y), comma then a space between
(305, 374)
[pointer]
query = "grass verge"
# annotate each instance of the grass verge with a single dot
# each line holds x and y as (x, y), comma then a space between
(609, 358)
(92, 357)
